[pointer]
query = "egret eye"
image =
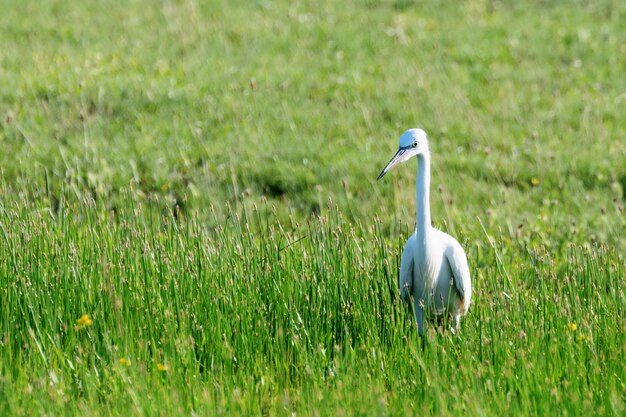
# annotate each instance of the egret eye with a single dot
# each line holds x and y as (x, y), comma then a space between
(414, 145)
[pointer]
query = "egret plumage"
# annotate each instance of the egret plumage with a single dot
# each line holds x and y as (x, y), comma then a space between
(433, 268)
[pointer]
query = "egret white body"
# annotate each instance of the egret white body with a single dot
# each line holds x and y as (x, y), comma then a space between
(433, 268)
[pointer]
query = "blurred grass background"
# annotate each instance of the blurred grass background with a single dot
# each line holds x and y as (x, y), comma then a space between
(208, 103)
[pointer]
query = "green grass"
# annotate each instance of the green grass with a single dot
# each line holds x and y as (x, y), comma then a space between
(294, 318)
(199, 179)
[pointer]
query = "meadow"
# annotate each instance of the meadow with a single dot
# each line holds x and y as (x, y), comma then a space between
(190, 222)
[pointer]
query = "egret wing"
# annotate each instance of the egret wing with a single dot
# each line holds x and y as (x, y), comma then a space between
(406, 268)
(460, 271)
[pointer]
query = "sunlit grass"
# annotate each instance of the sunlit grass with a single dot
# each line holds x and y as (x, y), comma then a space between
(102, 309)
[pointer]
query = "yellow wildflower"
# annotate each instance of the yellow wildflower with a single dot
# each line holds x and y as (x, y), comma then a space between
(125, 361)
(534, 181)
(347, 309)
(572, 326)
(84, 321)
(162, 367)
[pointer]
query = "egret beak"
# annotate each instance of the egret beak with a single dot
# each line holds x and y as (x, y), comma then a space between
(394, 161)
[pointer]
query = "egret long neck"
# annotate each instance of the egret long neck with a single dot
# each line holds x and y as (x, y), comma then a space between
(422, 189)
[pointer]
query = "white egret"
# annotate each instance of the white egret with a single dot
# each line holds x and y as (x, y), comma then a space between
(433, 268)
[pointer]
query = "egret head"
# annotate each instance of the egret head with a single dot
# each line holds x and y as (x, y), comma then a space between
(412, 143)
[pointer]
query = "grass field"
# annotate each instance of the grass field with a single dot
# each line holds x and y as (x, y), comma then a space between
(190, 222)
